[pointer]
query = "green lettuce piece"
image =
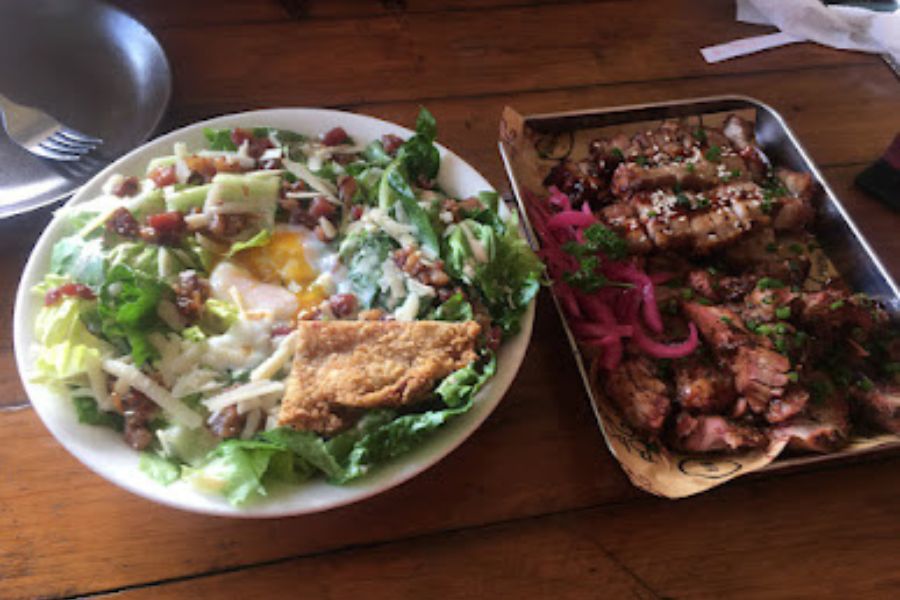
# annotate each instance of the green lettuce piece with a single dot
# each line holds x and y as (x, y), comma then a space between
(461, 386)
(236, 469)
(188, 198)
(256, 194)
(455, 308)
(218, 316)
(129, 314)
(260, 239)
(419, 156)
(374, 154)
(159, 469)
(395, 187)
(68, 348)
(83, 260)
(219, 139)
(363, 254)
(186, 445)
(90, 414)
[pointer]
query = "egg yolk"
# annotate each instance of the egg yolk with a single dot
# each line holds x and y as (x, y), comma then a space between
(283, 262)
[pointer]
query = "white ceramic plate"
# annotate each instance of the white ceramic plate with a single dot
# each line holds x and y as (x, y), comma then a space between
(104, 451)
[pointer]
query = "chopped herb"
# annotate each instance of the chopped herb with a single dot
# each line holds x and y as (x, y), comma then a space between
(687, 293)
(783, 312)
(702, 202)
(586, 277)
(766, 205)
(713, 154)
(800, 339)
(735, 173)
(793, 376)
(769, 283)
(652, 214)
(690, 167)
(682, 201)
(712, 270)
(836, 305)
(751, 325)
(764, 329)
(796, 248)
(641, 160)
(781, 328)
(768, 300)
(781, 345)
(727, 320)
(865, 384)
(617, 154)
(700, 134)
(771, 247)
(704, 301)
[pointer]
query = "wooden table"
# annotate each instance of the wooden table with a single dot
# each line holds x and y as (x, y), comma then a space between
(532, 505)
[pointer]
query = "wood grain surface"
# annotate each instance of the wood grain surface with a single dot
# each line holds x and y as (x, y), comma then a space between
(532, 505)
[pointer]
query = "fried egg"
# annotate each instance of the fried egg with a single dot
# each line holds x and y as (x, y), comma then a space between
(294, 272)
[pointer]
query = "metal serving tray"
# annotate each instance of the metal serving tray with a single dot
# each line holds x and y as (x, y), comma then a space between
(839, 236)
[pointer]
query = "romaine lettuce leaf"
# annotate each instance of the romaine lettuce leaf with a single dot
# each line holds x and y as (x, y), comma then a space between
(262, 238)
(219, 139)
(90, 414)
(83, 260)
(127, 310)
(455, 308)
(161, 470)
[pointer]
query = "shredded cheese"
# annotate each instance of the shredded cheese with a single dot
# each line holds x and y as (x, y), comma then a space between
(158, 394)
(247, 391)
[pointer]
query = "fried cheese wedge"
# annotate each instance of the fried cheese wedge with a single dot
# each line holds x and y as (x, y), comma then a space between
(340, 366)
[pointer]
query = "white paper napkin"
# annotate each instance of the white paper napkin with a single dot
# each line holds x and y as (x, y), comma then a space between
(843, 27)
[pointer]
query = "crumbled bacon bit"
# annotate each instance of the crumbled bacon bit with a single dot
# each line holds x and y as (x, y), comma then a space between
(335, 137)
(321, 207)
(391, 143)
(163, 176)
(165, 229)
(68, 289)
(123, 223)
(255, 145)
(129, 186)
(343, 305)
(191, 293)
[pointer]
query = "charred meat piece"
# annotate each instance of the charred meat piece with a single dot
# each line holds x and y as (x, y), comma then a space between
(760, 376)
(832, 312)
(703, 388)
(721, 327)
(713, 433)
(782, 408)
(579, 181)
(622, 218)
(880, 406)
(760, 254)
(226, 423)
(740, 132)
(764, 305)
(640, 394)
(138, 411)
(694, 173)
(825, 425)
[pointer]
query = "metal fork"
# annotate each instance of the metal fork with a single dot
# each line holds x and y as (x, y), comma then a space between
(41, 134)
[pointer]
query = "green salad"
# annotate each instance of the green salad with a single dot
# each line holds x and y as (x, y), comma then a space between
(171, 306)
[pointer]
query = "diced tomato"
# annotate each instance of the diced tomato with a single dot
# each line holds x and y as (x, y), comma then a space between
(122, 222)
(68, 289)
(163, 176)
(321, 207)
(335, 137)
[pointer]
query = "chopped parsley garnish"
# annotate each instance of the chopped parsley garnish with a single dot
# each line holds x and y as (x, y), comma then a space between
(793, 376)
(652, 214)
(735, 173)
(764, 329)
(771, 247)
(783, 312)
(768, 300)
(682, 201)
(700, 134)
(617, 154)
(690, 167)
(769, 283)
(597, 238)
(713, 153)
(687, 293)
(751, 325)
(702, 202)
(780, 328)
(836, 305)
(780, 345)
(796, 248)
(641, 160)
(704, 301)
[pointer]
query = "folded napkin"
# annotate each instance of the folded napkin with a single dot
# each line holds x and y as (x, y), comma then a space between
(842, 27)
(882, 179)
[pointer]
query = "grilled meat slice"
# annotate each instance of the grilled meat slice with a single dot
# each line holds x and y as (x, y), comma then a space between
(824, 427)
(760, 376)
(639, 393)
(721, 327)
(741, 133)
(704, 284)
(880, 406)
(762, 305)
(832, 312)
(695, 173)
(753, 254)
(713, 433)
(703, 388)
(718, 288)
(789, 405)
(622, 218)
